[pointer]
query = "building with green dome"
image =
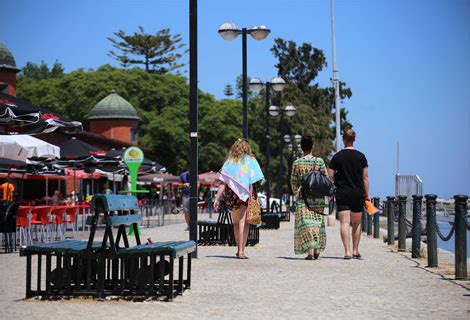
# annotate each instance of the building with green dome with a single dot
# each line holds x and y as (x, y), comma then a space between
(115, 118)
(8, 71)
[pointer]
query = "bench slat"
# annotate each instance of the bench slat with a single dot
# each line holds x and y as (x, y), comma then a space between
(125, 219)
(114, 202)
(174, 248)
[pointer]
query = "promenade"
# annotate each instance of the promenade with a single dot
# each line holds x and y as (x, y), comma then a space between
(272, 284)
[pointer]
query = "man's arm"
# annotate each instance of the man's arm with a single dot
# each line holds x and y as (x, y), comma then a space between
(365, 179)
(331, 174)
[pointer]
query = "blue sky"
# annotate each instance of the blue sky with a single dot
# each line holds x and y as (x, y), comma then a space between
(407, 62)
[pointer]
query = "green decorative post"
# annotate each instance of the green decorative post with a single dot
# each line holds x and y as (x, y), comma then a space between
(133, 157)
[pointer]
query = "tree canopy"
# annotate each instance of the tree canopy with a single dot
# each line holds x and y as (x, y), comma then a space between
(42, 71)
(158, 52)
(162, 103)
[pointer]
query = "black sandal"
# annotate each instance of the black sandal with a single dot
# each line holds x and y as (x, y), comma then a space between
(347, 257)
(357, 256)
(309, 257)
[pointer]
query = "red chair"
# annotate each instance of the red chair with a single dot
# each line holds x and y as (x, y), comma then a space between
(71, 213)
(22, 222)
(58, 216)
(42, 219)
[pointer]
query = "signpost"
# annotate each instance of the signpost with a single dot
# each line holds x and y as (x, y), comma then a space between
(133, 157)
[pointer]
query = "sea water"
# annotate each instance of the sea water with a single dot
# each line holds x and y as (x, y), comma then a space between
(445, 227)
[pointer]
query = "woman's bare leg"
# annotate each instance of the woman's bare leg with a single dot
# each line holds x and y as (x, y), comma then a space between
(236, 226)
(356, 231)
(245, 226)
(345, 219)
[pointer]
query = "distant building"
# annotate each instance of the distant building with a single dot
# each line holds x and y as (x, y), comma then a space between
(115, 118)
(8, 71)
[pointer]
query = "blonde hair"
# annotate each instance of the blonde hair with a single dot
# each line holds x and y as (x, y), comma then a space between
(240, 148)
(349, 136)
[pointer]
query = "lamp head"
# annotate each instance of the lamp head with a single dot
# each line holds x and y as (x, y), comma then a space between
(256, 84)
(286, 138)
(290, 111)
(274, 111)
(229, 31)
(259, 32)
(297, 138)
(278, 84)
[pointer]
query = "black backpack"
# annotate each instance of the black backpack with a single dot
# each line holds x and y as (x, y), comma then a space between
(315, 184)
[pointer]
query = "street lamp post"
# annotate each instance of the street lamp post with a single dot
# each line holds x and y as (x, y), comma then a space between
(288, 111)
(277, 84)
(335, 79)
(229, 31)
(294, 147)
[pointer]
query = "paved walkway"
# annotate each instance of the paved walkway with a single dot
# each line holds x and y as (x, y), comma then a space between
(272, 284)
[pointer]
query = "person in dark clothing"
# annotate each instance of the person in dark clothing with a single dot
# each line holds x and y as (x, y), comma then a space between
(349, 170)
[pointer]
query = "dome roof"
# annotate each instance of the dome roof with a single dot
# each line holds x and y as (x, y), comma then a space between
(7, 61)
(113, 106)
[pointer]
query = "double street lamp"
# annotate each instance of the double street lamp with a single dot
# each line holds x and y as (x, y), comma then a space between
(294, 147)
(288, 111)
(277, 84)
(229, 31)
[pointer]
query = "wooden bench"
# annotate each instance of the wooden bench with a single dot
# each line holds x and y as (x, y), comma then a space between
(106, 267)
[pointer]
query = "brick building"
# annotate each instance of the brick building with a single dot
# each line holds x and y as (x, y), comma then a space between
(8, 71)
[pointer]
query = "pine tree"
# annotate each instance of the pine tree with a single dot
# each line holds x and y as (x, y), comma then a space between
(228, 91)
(158, 52)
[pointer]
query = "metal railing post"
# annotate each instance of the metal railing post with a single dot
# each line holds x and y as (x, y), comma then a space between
(369, 223)
(376, 218)
(390, 220)
(402, 223)
(460, 236)
(431, 233)
(364, 220)
(416, 229)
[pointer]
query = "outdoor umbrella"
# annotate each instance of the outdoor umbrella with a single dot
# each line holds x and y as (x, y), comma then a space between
(159, 177)
(21, 117)
(209, 178)
(22, 147)
(75, 148)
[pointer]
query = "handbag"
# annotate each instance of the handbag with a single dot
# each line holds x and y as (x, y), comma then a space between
(253, 210)
(315, 184)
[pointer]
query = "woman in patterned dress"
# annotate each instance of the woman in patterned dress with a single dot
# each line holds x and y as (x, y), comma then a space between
(309, 231)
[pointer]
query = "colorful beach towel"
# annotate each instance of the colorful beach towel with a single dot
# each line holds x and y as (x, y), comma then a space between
(238, 176)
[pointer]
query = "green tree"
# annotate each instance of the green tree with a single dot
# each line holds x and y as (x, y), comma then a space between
(42, 71)
(299, 66)
(240, 87)
(228, 91)
(162, 104)
(157, 52)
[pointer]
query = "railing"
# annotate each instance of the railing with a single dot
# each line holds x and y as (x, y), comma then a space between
(154, 212)
(395, 210)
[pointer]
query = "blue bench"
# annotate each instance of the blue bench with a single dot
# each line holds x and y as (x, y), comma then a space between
(107, 267)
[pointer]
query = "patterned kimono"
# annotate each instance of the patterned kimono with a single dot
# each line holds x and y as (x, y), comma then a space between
(309, 230)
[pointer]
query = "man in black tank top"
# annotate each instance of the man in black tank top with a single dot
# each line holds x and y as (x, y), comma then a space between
(349, 170)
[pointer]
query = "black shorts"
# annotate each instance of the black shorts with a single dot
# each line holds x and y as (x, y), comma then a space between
(350, 202)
